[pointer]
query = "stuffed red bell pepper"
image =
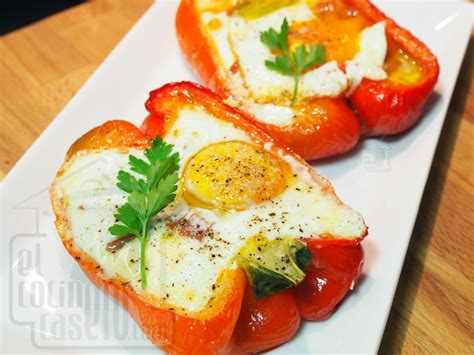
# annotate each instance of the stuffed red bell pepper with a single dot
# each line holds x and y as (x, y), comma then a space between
(203, 230)
(315, 74)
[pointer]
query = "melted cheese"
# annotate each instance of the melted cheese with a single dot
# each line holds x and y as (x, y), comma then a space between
(181, 269)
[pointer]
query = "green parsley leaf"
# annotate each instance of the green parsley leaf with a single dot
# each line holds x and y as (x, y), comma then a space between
(317, 55)
(118, 229)
(280, 65)
(276, 40)
(146, 197)
(129, 183)
(291, 64)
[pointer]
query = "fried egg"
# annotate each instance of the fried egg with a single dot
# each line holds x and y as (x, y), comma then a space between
(237, 42)
(230, 190)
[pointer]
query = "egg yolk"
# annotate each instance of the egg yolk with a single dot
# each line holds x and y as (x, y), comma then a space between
(336, 26)
(233, 175)
(402, 68)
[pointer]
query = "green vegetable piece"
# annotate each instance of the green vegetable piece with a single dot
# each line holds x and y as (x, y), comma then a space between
(273, 266)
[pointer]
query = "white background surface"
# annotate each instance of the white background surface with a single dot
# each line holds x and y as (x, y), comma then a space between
(50, 306)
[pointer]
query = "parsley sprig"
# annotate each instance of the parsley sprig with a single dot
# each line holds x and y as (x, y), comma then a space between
(292, 63)
(147, 196)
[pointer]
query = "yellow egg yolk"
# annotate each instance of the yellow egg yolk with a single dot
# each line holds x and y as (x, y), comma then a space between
(233, 175)
(402, 68)
(337, 26)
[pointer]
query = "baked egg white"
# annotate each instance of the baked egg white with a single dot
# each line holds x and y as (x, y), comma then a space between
(262, 91)
(230, 191)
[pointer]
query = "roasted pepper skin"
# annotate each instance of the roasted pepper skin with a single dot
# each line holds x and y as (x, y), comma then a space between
(329, 126)
(111, 134)
(206, 332)
(333, 270)
(386, 107)
(266, 323)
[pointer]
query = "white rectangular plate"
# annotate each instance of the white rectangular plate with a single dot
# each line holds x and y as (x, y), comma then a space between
(50, 305)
